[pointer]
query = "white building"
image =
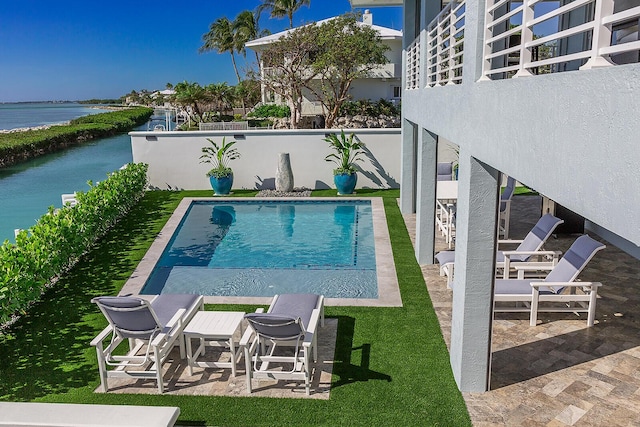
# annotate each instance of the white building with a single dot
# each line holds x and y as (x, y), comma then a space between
(384, 84)
(553, 103)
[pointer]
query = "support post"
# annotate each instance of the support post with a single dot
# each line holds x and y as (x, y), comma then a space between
(426, 197)
(472, 309)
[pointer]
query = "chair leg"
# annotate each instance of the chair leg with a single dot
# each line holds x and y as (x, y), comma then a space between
(102, 368)
(307, 372)
(158, 363)
(591, 316)
(248, 367)
(534, 307)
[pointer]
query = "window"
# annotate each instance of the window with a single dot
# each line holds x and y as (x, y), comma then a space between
(397, 91)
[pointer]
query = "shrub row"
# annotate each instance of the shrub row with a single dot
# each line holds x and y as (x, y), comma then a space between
(271, 110)
(17, 146)
(365, 107)
(60, 237)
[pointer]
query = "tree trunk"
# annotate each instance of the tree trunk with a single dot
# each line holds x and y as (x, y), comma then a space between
(235, 67)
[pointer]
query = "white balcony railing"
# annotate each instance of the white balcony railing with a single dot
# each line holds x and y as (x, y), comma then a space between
(445, 43)
(412, 77)
(596, 37)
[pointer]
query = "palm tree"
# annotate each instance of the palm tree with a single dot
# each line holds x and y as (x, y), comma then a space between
(245, 28)
(282, 8)
(222, 96)
(191, 95)
(221, 38)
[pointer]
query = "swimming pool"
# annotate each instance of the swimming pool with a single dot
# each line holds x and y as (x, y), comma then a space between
(243, 250)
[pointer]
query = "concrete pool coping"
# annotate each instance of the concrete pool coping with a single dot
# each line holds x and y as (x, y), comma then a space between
(388, 289)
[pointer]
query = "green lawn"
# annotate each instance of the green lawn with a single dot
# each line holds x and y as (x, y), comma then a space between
(391, 364)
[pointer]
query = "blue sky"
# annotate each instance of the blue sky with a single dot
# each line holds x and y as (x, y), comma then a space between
(75, 50)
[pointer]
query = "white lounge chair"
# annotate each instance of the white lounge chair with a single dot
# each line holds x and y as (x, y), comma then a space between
(152, 329)
(529, 251)
(291, 321)
(558, 287)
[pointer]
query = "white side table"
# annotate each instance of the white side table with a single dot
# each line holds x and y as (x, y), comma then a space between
(213, 327)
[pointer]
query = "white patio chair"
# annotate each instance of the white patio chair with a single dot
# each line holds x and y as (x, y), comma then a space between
(558, 287)
(528, 252)
(291, 321)
(152, 329)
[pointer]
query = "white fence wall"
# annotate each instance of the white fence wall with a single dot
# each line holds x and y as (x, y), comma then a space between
(173, 158)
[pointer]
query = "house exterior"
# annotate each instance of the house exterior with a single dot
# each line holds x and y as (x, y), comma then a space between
(385, 83)
(552, 103)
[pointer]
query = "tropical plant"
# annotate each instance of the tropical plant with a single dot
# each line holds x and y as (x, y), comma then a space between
(245, 28)
(221, 39)
(221, 97)
(348, 150)
(282, 8)
(219, 157)
(191, 95)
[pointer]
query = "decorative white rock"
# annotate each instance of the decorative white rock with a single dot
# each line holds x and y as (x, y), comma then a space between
(284, 174)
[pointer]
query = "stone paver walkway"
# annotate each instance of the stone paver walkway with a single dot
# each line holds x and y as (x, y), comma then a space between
(559, 373)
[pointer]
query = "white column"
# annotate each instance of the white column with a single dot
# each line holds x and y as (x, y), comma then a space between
(474, 274)
(426, 197)
(408, 168)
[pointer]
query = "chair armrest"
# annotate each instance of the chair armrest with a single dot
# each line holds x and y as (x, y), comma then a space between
(102, 335)
(566, 284)
(509, 242)
(532, 266)
(174, 327)
(555, 254)
(311, 328)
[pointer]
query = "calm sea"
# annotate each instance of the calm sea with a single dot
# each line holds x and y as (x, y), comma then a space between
(22, 115)
(29, 188)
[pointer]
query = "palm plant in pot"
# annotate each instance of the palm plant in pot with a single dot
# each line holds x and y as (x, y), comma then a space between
(347, 151)
(219, 156)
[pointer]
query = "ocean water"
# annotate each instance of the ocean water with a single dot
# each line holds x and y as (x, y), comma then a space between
(29, 188)
(22, 115)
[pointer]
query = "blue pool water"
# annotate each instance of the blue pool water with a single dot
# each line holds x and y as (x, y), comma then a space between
(260, 248)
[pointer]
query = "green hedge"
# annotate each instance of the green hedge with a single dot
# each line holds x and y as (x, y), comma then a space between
(16, 146)
(271, 110)
(60, 237)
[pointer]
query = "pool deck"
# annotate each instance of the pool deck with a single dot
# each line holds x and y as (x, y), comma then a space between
(388, 288)
(558, 373)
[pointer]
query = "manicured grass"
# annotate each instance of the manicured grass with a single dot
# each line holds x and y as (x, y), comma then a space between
(391, 364)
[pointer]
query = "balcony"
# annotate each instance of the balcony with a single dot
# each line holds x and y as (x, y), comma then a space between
(526, 39)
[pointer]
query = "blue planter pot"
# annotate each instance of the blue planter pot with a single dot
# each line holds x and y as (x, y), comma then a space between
(345, 183)
(221, 186)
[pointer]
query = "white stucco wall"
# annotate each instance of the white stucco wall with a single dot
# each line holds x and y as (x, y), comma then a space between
(173, 158)
(572, 136)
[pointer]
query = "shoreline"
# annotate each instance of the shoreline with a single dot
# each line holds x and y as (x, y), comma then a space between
(65, 123)
(26, 129)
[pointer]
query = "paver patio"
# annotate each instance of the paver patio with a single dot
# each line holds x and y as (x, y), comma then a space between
(559, 373)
